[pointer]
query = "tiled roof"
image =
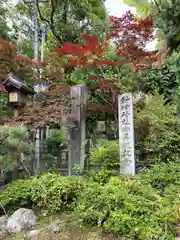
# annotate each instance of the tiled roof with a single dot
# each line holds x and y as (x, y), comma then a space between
(16, 82)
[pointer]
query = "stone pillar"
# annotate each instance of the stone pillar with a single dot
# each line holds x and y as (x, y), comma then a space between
(126, 134)
(77, 134)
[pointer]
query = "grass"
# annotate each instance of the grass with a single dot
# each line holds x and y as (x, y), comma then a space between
(71, 229)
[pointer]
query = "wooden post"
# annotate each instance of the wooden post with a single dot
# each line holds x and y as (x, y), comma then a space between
(126, 134)
(77, 134)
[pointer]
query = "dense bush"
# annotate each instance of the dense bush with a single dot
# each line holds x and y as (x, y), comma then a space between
(162, 175)
(16, 194)
(127, 207)
(49, 191)
(157, 132)
(54, 192)
(57, 141)
(105, 155)
(164, 79)
(101, 177)
(142, 207)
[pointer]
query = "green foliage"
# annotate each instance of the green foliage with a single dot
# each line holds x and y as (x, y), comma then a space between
(4, 29)
(160, 176)
(102, 176)
(13, 142)
(167, 22)
(156, 131)
(16, 194)
(26, 47)
(48, 162)
(142, 207)
(5, 112)
(49, 191)
(164, 79)
(66, 20)
(54, 193)
(56, 142)
(127, 207)
(105, 155)
(157, 135)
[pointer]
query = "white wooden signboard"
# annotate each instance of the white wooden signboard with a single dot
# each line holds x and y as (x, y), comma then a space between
(126, 134)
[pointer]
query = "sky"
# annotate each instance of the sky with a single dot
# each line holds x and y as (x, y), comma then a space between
(117, 7)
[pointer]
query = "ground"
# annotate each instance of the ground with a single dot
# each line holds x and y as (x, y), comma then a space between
(71, 229)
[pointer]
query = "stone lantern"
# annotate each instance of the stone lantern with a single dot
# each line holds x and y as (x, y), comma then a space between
(18, 92)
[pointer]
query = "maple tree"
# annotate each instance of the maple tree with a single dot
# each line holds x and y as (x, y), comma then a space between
(130, 36)
(53, 107)
(7, 52)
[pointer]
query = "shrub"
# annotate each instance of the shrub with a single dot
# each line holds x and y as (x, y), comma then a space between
(127, 207)
(105, 155)
(48, 163)
(49, 191)
(162, 175)
(16, 194)
(157, 132)
(54, 192)
(142, 207)
(102, 176)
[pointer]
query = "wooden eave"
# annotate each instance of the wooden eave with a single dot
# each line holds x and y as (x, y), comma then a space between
(16, 82)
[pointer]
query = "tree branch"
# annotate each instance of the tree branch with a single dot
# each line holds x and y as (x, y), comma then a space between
(51, 22)
(53, 6)
(41, 16)
(64, 18)
(157, 5)
(5, 213)
(21, 163)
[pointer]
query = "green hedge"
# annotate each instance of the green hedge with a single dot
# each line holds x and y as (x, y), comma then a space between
(16, 194)
(54, 192)
(141, 207)
(49, 191)
(129, 208)
(162, 175)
